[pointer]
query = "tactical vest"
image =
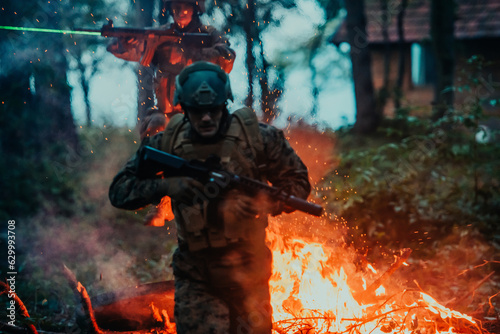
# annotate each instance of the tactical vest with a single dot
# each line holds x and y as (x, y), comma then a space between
(240, 151)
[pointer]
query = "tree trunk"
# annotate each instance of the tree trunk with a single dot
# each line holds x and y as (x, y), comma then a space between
(53, 94)
(314, 74)
(383, 93)
(265, 101)
(387, 45)
(442, 33)
(86, 89)
(251, 36)
(270, 95)
(145, 95)
(401, 61)
(367, 117)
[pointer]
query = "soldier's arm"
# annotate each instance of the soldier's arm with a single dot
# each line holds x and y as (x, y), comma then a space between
(219, 53)
(128, 191)
(284, 168)
(125, 48)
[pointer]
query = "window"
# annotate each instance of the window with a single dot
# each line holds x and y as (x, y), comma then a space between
(423, 67)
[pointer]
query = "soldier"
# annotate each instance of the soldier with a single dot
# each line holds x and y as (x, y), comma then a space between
(168, 60)
(222, 265)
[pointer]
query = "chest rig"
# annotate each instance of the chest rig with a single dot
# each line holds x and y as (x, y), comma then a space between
(241, 152)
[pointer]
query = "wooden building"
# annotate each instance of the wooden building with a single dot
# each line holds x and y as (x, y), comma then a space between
(477, 32)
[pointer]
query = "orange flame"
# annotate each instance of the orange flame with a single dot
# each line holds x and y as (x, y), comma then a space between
(310, 293)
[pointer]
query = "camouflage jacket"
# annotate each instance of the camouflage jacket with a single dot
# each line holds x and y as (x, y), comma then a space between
(234, 263)
(283, 169)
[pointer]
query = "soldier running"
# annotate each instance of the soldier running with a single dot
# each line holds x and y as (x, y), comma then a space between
(222, 264)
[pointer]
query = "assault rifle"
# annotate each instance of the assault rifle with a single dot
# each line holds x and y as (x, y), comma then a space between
(154, 37)
(195, 39)
(153, 161)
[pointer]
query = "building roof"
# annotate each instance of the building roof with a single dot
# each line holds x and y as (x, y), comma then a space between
(475, 19)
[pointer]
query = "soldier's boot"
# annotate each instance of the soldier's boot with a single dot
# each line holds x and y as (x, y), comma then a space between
(157, 214)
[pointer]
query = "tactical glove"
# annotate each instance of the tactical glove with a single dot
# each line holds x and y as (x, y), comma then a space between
(154, 122)
(181, 189)
(237, 206)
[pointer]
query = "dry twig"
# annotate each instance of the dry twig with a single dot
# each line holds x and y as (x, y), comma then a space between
(20, 305)
(399, 317)
(83, 297)
(470, 292)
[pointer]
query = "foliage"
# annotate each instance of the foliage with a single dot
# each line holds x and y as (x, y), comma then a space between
(416, 179)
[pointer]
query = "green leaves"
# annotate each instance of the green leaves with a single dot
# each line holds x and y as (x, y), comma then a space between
(422, 177)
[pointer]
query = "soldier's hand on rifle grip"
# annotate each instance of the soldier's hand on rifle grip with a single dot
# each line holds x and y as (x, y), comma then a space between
(129, 41)
(176, 55)
(181, 189)
(154, 122)
(237, 206)
(122, 45)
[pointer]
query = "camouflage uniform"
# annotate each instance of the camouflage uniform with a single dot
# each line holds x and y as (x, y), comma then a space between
(221, 268)
(160, 57)
(207, 293)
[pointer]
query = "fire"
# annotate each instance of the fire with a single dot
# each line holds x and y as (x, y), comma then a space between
(310, 293)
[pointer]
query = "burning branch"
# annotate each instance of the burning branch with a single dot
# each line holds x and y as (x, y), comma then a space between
(83, 297)
(163, 319)
(492, 308)
(370, 291)
(20, 305)
(434, 318)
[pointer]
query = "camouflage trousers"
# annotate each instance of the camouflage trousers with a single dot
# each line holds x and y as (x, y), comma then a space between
(201, 307)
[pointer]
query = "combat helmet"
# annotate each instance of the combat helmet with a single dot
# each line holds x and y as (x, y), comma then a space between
(199, 5)
(202, 85)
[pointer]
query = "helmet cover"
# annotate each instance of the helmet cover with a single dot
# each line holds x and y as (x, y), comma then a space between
(201, 85)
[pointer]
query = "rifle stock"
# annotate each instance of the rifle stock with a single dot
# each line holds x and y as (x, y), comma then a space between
(153, 161)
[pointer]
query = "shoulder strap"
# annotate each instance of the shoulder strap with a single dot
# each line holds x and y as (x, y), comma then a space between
(250, 125)
(171, 131)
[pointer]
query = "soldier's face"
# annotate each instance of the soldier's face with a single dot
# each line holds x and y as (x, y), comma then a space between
(206, 122)
(182, 13)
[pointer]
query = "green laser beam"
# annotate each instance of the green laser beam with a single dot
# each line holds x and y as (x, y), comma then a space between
(56, 31)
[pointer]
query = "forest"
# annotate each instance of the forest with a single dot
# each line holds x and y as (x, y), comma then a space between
(410, 184)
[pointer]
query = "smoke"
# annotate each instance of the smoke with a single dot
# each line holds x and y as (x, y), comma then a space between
(314, 147)
(106, 248)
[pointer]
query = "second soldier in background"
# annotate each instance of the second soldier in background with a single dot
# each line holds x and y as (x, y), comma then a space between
(168, 60)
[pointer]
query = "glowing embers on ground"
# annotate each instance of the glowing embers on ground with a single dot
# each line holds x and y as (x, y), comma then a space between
(310, 294)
